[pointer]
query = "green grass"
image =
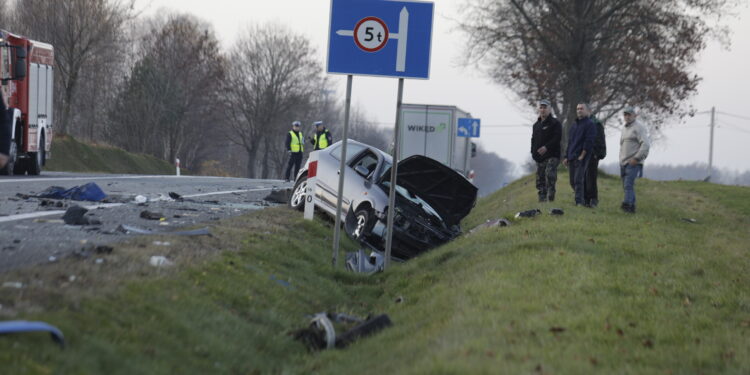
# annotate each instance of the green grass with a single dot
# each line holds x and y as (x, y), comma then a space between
(70, 155)
(593, 291)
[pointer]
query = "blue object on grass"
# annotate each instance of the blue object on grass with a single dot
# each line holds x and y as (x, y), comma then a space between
(88, 192)
(20, 326)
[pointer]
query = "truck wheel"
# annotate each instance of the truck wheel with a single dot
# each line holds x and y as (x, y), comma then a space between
(36, 160)
(299, 194)
(11, 166)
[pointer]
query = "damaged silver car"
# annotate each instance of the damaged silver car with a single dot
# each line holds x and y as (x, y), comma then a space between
(431, 200)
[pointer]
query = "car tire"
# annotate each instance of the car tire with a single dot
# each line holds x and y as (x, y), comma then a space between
(36, 159)
(299, 194)
(360, 225)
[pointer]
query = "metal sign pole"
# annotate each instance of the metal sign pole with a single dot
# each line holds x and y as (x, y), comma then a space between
(342, 172)
(394, 173)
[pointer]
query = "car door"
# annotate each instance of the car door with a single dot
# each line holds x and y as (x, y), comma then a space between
(328, 173)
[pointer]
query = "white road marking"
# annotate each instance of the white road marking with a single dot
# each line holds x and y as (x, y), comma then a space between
(34, 215)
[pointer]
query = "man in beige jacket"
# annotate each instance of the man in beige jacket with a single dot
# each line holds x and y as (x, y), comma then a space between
(634, 146)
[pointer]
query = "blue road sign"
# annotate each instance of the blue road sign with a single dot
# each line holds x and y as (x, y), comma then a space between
(380, 38)
(469, 127)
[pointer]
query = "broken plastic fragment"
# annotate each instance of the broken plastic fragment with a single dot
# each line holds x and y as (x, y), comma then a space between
(160, 261)
(528, 213)
(556, 211)
(19, 326)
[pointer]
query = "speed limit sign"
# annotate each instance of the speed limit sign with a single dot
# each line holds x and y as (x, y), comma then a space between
(371, 34)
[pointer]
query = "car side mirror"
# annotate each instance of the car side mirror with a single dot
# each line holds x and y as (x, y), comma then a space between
(361, 170)
(20, 63)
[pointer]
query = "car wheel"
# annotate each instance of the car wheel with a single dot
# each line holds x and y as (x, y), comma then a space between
(299, 194)
(361, 218)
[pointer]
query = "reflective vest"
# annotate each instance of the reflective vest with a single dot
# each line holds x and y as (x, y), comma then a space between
(297, 144)
(322, 141)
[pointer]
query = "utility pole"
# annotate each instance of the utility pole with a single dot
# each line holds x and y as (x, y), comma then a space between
(711, 145)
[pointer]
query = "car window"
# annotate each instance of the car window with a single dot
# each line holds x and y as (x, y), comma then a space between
(351, 150)
(368, 161)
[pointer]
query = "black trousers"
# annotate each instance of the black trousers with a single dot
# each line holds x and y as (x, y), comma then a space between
(591, 191)
(577, 169)
(295, 160)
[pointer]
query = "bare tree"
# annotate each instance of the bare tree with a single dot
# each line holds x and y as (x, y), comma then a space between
(272, 76)
(88, 38)
(168, 105)
(608, 53)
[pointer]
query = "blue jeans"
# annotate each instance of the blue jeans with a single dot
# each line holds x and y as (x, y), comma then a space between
(629, 173)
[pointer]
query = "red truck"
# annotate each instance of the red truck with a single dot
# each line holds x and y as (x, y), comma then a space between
(27, 74)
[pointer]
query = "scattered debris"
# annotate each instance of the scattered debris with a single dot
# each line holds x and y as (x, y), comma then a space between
(175, 196)
(556, 212)
(358, 262)
(13, 284)
(88, 192)
(491, 223)
(75, 215)
(128, 229)
(689, 220)
(160, 261)
(52, 259)
(280, 196)
(399, 299)
(50, 221)
(99, 261)
(528, 213)
(140, 199)
(20, 326)
(162, 243)
(321, 334)
(52, 203)
(148, 215)
(557, 329)
(281, 282)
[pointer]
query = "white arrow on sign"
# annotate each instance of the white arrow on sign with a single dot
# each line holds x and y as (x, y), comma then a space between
(474, 126)
(402, 36)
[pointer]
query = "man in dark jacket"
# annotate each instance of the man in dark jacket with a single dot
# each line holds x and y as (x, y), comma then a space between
(545, 150)
(322, 138)
(581, 137)
(591, 191)
(295, 147)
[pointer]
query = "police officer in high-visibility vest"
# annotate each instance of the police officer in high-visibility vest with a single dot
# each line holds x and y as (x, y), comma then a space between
(295, 147)
(322, 138)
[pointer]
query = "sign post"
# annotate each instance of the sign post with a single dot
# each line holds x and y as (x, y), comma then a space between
(358, 43)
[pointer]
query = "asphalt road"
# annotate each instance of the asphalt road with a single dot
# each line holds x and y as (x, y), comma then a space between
(32, 232)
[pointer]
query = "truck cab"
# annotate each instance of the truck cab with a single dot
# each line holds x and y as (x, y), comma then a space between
(27, 76)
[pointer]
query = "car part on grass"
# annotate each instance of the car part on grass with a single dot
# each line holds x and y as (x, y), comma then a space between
(160, 261)
(129, 229)
(321, 333)
(689, 220)
(528, 213)
(359, 262)
(21, 326)
(175, 196)
(491, 224)
(76, 215)
(556, 212)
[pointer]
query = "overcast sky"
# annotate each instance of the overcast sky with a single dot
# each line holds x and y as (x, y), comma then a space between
(725, 73)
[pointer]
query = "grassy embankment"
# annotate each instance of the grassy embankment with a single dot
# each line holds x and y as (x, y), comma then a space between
(70, 155)
(593, 291)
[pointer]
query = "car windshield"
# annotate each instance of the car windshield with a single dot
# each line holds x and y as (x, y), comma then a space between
(406, 193)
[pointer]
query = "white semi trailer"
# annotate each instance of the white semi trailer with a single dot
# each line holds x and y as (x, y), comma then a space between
(432, 131)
